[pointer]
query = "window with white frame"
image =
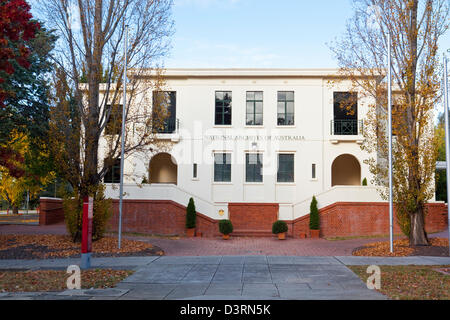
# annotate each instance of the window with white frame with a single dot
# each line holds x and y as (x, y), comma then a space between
(285, 172)
(222, 167)
(253, 167)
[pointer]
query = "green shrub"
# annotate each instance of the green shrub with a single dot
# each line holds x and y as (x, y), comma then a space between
(279, 227)
(73, 214)
(364, 182)
(191, 215)
(225, 226)
(314, 220)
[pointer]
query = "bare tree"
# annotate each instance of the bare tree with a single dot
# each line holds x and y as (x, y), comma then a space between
(90, 62)
(415, 27)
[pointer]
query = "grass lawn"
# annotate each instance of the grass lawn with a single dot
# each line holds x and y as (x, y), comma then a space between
(411, 282)
(52, 280)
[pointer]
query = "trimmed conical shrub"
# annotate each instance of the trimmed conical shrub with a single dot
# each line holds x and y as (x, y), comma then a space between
(314, 222)
(364, 182)
(191, 215)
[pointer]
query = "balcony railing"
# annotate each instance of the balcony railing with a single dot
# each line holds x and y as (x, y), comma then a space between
(170, 125)
(346, 127)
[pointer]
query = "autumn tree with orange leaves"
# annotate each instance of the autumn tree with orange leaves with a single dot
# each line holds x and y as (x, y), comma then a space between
(416, 28)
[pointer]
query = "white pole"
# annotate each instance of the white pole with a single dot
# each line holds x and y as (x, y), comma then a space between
(391, 220)
(447, 142)
(28, 200)
(125, 49)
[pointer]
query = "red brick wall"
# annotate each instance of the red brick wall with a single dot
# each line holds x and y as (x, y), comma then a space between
(163, 217)
(50, 211)
(167, 217)
(250, 218)
(364, 218)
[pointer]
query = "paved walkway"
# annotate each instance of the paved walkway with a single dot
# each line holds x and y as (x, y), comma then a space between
(225, 277)
(235, 246)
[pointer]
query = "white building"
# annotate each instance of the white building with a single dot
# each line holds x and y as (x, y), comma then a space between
(255, 136)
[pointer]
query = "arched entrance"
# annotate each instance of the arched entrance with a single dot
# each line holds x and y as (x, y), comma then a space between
(345, 171)
(163, 169)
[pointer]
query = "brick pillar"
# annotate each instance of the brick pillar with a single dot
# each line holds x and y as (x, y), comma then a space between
(50, 211)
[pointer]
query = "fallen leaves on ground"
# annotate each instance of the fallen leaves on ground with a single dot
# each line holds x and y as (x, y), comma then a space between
(401, 248)
(61, 246)
(410, 282)
(51, 280)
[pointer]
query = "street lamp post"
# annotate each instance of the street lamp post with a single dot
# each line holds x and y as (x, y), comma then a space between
(391, 213)
(125, 49)
(375, 22)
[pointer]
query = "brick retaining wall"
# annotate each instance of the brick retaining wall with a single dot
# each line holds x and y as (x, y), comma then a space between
(344, 219)
(50, 211)
(165, 217)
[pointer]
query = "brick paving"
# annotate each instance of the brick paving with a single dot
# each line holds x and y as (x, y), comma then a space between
(234, 246)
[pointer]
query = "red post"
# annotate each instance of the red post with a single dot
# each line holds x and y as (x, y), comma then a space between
(86, 235)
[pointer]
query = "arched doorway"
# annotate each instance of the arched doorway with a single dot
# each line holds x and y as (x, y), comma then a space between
(163, 169)
(345, 171)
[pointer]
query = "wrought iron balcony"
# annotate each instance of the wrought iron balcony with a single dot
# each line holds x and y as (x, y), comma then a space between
(346, 127)
(170, 125)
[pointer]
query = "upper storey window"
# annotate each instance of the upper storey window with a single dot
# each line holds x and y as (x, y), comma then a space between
(114, 124)
(345, 119)
(254, 114)
(223, 108)
(164, 112)
(285, 109)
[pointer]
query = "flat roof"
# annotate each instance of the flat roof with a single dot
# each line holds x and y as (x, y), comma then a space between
(243, 72)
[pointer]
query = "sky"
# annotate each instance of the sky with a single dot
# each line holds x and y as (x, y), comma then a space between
(252, 33)
(258, 33)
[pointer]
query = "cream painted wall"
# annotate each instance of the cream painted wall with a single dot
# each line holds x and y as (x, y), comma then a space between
(195, 94)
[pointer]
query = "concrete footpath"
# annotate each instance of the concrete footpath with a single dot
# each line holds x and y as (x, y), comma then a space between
(224, 277)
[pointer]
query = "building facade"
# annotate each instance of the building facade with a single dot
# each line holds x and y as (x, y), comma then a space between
(252, 146)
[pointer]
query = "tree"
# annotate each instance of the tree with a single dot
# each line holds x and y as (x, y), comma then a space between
(13, 189)
(17, 30)
(415, 30)
(92, 36)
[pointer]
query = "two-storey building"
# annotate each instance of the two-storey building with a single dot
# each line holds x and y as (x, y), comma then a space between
(254, 146)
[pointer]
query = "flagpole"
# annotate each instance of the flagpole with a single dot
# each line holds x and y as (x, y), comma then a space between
(391, 215)
(125, 49)
(447, 142)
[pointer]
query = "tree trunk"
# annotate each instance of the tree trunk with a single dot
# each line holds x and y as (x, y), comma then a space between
(15, 210)
(418, 235)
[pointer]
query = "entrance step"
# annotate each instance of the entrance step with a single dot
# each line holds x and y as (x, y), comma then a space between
(252, 233)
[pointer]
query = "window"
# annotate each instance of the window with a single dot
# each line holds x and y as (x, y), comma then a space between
(253, 167)
(222, 167)
(285, 168)
(194, 171)
(112, 172)
(313, 169)
(164, 112)
(285, 108)
(345, 106)
(114, 124)
(254, 114)
(223, 108)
